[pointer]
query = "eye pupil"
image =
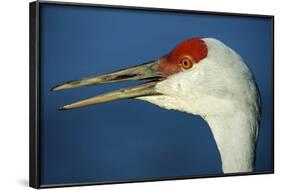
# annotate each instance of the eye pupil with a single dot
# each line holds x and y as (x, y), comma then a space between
(186, 63)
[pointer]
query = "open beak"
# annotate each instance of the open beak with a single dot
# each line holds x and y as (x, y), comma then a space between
(147, 71)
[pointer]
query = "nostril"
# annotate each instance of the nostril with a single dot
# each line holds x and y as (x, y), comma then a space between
(120, 77)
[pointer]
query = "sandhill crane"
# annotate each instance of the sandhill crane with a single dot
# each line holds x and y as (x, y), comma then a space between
(201, 76)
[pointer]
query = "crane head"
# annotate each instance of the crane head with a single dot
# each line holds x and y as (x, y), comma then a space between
(199, 76)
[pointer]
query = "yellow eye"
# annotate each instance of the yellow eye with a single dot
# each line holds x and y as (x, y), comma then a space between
(186, 63)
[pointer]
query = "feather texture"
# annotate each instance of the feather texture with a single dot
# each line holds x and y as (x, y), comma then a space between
(222, 90)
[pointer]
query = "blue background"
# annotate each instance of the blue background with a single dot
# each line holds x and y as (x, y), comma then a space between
(132, 139)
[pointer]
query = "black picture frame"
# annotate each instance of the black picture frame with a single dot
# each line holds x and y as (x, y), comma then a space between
(34, 98)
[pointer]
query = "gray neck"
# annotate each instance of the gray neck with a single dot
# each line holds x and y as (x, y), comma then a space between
(235, 135)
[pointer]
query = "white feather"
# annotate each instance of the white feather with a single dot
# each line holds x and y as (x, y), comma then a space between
(221, 89)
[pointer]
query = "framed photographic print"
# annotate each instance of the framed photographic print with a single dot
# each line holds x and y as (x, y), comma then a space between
(131, 94)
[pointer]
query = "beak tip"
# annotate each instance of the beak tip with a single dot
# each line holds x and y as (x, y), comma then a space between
(53, 88)
(61, 109)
